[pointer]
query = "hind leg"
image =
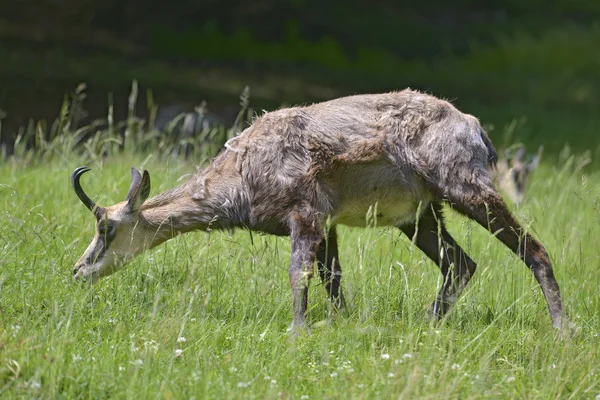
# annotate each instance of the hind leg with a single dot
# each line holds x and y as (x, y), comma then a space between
(330, 270)
(431, 236)
(479, 200)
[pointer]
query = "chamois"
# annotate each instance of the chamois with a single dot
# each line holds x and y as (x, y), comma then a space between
(296, 171)
(512, 172)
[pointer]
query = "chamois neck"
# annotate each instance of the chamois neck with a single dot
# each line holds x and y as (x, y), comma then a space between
(199, 204)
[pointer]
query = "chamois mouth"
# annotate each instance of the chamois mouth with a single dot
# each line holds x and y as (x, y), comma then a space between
(101, 269)
(86, 273)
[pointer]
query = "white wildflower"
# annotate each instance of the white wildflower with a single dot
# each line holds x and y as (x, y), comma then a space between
(151, 344)
(304, 397)
(181, 339)
(76, 357)
(455, 367)
(597, 397)
(233, 369)
(178, 352)
(385, 356)
(333, 374)
(273, 382)
(511, 379)
(243, 384)
(35, 385)
(407, 356)
(552, 366)
(391, 375)
(138, 362)
(193, 319)
(121, 368)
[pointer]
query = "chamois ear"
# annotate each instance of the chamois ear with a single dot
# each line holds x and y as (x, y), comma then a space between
(535, 160)
(519, 153)
(138, 191)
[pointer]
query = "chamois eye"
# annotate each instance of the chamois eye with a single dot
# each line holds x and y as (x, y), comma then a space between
(106, 229)
(515, 175)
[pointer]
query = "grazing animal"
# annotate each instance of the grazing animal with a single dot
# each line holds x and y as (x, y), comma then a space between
(295, 171)
(512, 173)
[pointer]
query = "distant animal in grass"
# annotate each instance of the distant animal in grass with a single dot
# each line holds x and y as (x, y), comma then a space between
(513, 171)
(302, 171)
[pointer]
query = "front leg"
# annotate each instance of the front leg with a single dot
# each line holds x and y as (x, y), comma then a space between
(306, 234)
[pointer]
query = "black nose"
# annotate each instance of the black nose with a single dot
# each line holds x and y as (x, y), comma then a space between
(76, 269)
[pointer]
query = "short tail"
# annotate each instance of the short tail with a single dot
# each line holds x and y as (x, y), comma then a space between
(492, 154)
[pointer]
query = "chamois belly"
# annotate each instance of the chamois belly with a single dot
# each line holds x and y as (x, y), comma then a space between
(388, 198)
(372, 211)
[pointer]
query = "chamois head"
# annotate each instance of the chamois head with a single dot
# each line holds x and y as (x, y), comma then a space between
(120, 234)
(513, 171)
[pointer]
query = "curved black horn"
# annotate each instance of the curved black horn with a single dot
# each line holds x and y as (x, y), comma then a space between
(79, 191)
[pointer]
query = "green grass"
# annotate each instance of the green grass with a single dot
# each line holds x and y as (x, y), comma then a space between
(228, 296)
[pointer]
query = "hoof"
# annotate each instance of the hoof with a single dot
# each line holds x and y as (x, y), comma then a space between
(566, 328)
(296, 331)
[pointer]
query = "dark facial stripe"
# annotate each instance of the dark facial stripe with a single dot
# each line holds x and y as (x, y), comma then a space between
(104, 242)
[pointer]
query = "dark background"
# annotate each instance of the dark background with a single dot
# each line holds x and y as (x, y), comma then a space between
(529, 69)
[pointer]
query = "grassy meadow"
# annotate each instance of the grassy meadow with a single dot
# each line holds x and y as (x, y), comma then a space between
(207, 315)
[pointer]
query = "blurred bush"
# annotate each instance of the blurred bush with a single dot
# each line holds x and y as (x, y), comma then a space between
(501, 60)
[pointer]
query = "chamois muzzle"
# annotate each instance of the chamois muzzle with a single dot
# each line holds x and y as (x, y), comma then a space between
(89, 203)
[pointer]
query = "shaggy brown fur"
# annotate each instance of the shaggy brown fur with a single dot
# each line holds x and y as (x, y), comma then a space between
(401, 154)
